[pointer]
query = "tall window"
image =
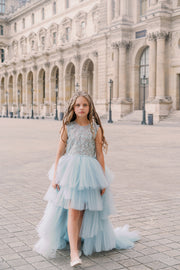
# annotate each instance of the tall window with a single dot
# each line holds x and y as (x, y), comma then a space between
(1, 30)
(32, 45)
(42, 14)
(67, 3)
(54, 7)
(178, 3)
(2, 55)
(2, 6)
(113, 8)
(83, 26)
(67, 33)
(43, 42)
(143, 7)
(54, 38)
(15, 27)
(57, 78)
(144, 70)
(44, 86)
(23, 23)
(32, 18)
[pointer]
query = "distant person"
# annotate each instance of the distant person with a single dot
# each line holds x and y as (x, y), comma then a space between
(79, 199)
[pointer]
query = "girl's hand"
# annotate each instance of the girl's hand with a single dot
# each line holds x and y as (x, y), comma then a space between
(54, 185)
(102, 191)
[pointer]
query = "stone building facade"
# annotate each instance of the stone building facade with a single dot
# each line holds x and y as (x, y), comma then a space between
(65, 45)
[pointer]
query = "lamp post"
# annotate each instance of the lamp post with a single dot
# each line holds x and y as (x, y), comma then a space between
(7, 103)
(19, 103)
(144, 82)
(110, 112)
(77, 87)
(32, 112)
(56, 116)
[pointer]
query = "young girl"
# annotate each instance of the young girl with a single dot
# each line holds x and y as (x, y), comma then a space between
(79, 200)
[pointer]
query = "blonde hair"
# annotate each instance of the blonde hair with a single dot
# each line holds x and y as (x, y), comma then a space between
(70, 116)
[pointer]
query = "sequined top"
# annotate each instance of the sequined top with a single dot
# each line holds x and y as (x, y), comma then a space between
(81, 140)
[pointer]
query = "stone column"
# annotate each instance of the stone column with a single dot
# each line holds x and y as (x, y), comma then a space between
(160, 81)
(122, 70)
(95, 76)
(15, 94)
(117, 9)
(47, 84)
(35, 89)
(24, 86)
(123, 8)
(61, 81)
(109, 11)
(152, 66)
(77, 69)
(115, 71)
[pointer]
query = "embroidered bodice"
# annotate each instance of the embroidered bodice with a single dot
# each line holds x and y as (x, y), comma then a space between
(80, 139)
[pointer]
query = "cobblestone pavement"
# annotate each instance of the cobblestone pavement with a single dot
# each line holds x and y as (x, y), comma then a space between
(146, 188)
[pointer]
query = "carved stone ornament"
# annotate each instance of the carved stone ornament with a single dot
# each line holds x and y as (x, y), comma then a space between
(114, 45)
(47, 64)
(162, 35)
(95, 54)
(61, 61)
(77, 57)
(151, 36)
(125, 44)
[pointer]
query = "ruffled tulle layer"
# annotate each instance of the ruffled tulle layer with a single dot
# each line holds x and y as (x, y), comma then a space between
(81, 178)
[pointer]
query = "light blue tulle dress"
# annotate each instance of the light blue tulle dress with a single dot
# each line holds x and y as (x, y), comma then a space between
(81, 178)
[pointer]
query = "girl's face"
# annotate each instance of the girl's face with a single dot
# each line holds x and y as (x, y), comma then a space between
(81, 107)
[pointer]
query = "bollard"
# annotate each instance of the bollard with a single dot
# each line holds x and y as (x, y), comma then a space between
(150, 119)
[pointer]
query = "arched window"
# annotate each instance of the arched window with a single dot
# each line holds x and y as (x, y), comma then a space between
(54, 38)
(144, 70)
(113, 9)
(44, 88)
(32, 44)
(67, 33)
(2, 6)
(23, 23)
(15, 27)
(1, 30)
(43, 42)
(67, 3)
(2, 55)
(54, 7)
(32, 18)
(42, 14)
(57, 78)
(143, 7)
(83, 26)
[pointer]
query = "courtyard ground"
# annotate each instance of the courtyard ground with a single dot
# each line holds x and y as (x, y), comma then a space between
(146, 189)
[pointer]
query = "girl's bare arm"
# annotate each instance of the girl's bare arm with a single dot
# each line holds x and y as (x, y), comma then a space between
(60, 153)
(99, 152)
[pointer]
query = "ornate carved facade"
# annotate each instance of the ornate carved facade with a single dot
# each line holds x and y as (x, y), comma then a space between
(48, 45)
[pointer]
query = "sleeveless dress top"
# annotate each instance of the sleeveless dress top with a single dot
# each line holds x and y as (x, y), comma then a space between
(81, 178)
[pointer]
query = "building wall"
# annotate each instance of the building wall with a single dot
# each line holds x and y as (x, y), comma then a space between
(109, 45)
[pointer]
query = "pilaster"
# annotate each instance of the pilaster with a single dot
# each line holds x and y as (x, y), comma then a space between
(95, 76)
(115, 70)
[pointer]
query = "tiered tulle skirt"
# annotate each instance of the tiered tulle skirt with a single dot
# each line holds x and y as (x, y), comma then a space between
(81, 179)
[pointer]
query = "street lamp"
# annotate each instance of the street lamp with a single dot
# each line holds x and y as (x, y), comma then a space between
(144, 82)
(7, 103)
(32, 112)
(56, 116)
(110, 112)
(77, 86)
(19, 92)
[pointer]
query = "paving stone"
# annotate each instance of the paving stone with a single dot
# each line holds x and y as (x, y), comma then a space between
(148, 199)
